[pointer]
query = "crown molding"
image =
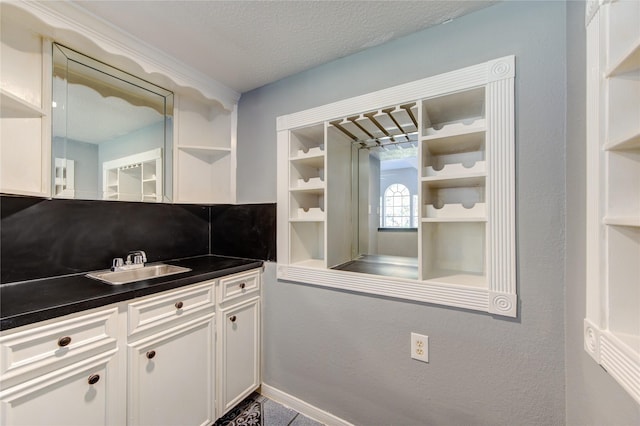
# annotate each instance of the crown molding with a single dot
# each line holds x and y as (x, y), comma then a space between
(73, 26)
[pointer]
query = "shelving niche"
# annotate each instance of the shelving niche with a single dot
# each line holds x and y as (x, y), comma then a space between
(462, 126)
(24, 119)
(612, 323)
(205, 161)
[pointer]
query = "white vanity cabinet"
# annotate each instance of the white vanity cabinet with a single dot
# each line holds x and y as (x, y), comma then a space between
(238, 339)
(170, 350)
(62, 372)
(180, 357)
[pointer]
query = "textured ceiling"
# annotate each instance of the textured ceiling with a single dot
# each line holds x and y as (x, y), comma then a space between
(247, 44)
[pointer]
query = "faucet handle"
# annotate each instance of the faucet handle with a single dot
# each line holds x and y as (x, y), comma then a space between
(117, 262)
(138, 256)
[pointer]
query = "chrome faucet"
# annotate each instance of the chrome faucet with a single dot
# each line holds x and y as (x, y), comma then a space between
(135, 259)
(139, 258)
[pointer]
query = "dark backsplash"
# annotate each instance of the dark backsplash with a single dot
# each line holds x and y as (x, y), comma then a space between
(48, 237)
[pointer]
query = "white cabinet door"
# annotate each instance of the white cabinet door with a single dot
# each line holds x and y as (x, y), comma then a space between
(83, 394)
(239, 353)
(171, 376)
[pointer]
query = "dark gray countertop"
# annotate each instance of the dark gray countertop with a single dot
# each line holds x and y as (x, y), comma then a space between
(38, 300)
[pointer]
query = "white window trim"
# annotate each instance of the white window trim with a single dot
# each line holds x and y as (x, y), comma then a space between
(499, 297)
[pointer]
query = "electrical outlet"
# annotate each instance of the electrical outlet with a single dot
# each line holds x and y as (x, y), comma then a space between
(420, 347)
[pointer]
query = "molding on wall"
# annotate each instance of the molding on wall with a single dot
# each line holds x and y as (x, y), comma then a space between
(475, 75)
(301, 406)
(71, 25)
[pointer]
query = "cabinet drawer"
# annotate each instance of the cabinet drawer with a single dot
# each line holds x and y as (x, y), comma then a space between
(237, 285)
(170, 306)
(40, 349)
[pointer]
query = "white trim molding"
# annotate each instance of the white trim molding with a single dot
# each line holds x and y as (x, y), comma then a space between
(309, 245)
(73, 26)
(301, 406)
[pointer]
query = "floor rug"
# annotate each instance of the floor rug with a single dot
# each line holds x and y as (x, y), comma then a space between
(246, 413)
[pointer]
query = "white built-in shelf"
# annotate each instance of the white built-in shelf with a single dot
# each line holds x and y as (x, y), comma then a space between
(631, 141)
(311, 263)
(455, 170)
(12, 106)
(310, 190)
(628, 62)
(211, 153)
(465, 169)
(633, 221)
(315, 183)
(467, 180)
(455, 278)
(455, 212)
(612, 322)
(455, 129)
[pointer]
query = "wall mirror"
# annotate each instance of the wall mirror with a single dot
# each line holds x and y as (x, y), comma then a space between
(112, 132)
(385, 195)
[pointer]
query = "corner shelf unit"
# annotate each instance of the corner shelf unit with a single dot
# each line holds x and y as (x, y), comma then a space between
(204, 159)
(25, 119)
(462, 124)
(612, 323)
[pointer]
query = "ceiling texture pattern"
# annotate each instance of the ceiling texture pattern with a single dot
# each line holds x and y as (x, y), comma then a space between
(247, 44)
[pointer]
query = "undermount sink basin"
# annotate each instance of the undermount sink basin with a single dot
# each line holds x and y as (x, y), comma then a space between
(139, 274)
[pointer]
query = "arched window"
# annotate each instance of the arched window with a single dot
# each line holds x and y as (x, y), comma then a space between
(396, 207)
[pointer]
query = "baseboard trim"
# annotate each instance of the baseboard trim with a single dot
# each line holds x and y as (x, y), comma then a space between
(301, 406)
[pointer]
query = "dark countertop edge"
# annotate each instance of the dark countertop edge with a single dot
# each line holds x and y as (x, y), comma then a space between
(140, 290)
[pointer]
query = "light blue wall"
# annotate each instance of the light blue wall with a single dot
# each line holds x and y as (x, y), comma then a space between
(86, 169)
(348, 353)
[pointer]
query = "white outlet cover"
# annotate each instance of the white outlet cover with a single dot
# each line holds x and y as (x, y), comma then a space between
(420, 347)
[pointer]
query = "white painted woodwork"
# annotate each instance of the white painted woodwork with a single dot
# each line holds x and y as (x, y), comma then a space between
(168, 308)
(612, 323)
(25, 97)
(239, 285)
(238, 347)
(177, 385)
(205, 112)
(203, 365)
(35, 350)
(64, 396)
(466, 244)
(205, 156)
(239, 352)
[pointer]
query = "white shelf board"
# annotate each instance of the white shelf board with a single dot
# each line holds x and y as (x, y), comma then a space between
(449, 277)
(633, 221)
(12, 106)
(628, 63)
(315, 161)
(319, 190)
(455, 181)
(310, 263)
(205, 151)
(626, 143)
(455, 129)
(455, 170)
(453, 219)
